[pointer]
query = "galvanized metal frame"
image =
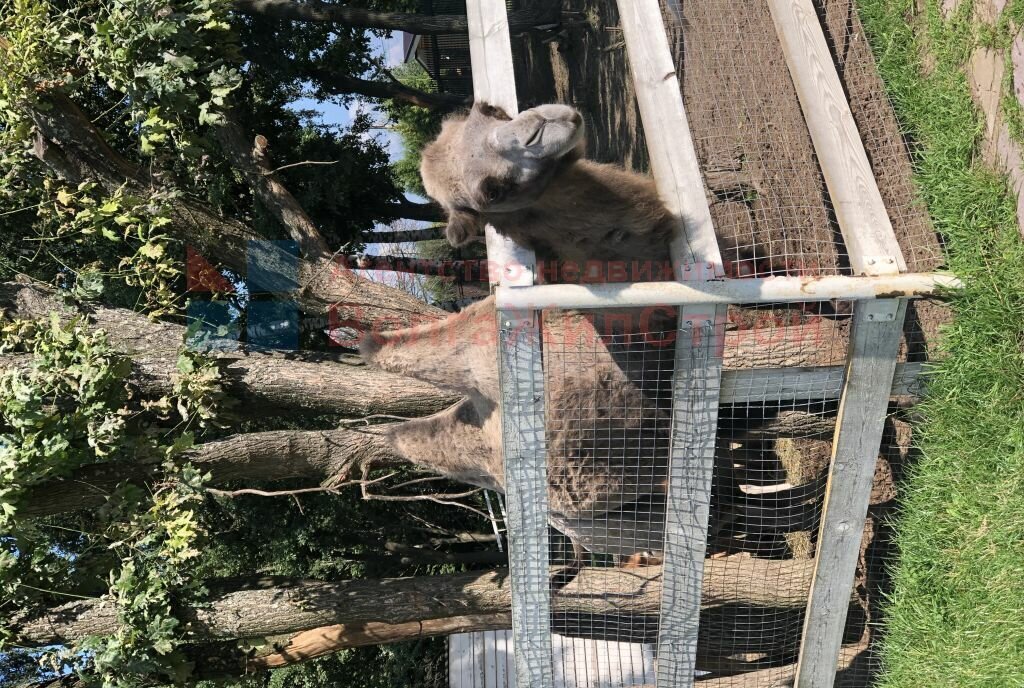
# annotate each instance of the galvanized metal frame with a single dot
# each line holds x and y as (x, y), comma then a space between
(697, 376)
(522, 383)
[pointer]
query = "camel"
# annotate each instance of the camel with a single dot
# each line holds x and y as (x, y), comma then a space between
(527, 178)
(607, 434)
(606, 388)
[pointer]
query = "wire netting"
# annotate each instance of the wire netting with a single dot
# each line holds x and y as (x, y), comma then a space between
(608, 376)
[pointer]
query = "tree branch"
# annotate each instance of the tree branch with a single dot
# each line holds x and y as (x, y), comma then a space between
(739, 581)
(463, 270)
(420, 24)
(319, 457)
(329, 639)
(290, 382)
(404, 235)
(253, 161)
(75, 149)
(336, 84)
(422, 212)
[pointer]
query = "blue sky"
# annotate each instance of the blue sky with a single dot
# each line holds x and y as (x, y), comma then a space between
(333, 113)
(393, 51)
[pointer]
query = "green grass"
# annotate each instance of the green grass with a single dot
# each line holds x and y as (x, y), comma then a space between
(956, 616)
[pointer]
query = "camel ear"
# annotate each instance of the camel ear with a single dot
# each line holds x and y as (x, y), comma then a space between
(463, 227)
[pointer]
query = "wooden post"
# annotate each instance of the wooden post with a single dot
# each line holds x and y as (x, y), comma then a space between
(698, 360)
(874, 341)
(522, 384)
(867, 231)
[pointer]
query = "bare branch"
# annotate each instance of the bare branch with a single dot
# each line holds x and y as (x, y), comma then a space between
(445, 499)
(420, 24)
(304, 163)
(404, 235)
(332, 489)
(472, 270)
(393, 89)
(422, 212)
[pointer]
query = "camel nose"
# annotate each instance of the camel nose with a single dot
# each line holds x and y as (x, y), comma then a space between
(558, 113)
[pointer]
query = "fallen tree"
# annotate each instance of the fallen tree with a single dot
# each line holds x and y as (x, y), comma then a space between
(298, 606)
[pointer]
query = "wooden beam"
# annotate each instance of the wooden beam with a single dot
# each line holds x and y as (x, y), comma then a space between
(522, 383)
(867, 231)
(494, 82)
(859, 425)
(816, 383)
(698, 357)
(875, 334)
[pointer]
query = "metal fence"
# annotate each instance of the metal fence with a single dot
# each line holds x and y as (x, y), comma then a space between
(689, 501)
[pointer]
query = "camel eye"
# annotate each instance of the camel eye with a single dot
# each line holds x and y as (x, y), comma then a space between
(493, 111)
(493, 189)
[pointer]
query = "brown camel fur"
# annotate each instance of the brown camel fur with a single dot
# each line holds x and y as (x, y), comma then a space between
(606, 397)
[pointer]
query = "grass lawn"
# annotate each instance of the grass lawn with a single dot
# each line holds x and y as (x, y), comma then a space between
(956, 617)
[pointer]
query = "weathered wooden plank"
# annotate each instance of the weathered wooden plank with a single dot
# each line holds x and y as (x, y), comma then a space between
(817, 383)
(670, 145)
(522, 383)
(869, 376)
(460, 660)
(867, 231)
(874, 343)
(698, 359)
(490, 51)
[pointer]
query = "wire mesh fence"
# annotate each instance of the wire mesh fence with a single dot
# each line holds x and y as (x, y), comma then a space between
(608, 419)
(607, 392)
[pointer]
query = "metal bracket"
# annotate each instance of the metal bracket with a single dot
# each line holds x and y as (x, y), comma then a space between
(880, 310)
(515, 320)
(881, 265)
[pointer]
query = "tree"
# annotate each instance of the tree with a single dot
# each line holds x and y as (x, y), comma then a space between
(536, 15)
(185, 492)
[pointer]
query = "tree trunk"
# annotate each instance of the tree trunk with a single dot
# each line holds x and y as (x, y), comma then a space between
(329, 639)
(251, 159)
(316, 456)
(462, 270)
(75, 149)
(296, 383)
(801, 424)
(817, 342)
(746, 582)
(421, 212)
(393, 89)
(404, 236)
(420, 24)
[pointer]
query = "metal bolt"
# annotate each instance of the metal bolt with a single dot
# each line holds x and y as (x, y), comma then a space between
(871, 261)
(508, 323)
(871, 316)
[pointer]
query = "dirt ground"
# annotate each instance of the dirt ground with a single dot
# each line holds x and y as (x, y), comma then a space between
(769, 203)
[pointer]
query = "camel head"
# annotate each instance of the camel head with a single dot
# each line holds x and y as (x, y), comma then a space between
(485, 162)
